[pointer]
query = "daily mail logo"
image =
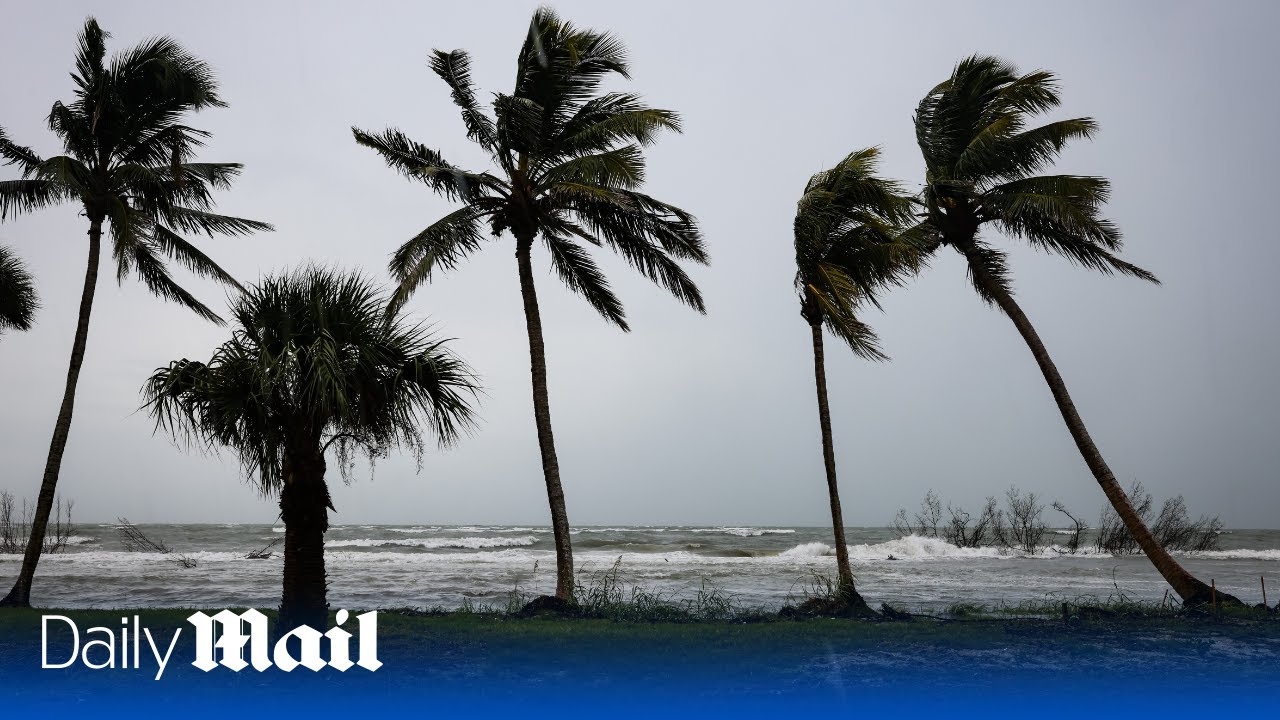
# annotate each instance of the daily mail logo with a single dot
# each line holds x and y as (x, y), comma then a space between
(233, 640)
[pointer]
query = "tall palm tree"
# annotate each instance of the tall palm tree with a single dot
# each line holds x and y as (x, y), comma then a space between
(127, 164)
(981, 169)
(18, 299)
(569, 163)
(314, 363)
(846, 235)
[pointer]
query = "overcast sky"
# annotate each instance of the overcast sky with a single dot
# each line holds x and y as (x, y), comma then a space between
(691, 419)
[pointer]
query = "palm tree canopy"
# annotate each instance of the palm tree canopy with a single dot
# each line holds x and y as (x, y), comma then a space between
(982, 157)
(847, 229)
(314, 360)
(18, 300)
(568, 160)
(128, 160)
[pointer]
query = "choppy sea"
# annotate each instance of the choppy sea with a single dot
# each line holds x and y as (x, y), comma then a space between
(393, 566)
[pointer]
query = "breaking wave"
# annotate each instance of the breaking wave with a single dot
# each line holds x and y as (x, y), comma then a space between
(462, 543)
(745, 531)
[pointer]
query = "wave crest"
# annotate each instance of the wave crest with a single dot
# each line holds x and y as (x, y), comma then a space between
(462, 543)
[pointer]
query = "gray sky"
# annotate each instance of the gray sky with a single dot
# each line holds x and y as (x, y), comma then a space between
(692, 419)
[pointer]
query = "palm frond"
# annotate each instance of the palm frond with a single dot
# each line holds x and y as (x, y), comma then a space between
(151, 270)
(418, 162)
(443, 244)
(200, 221)
(642, 240)
(13, 154)
(859, 336)
(190, 257)
(90, 51)
(620, 168)
(23, 196)
(455, 69)
(18, 299)
(613, 118)
(1022, 154)
(988, 270)
(581, 275)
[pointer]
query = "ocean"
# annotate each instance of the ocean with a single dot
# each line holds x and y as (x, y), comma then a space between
(438, 566)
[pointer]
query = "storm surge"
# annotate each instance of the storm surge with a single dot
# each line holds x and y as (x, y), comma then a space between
(424, 566)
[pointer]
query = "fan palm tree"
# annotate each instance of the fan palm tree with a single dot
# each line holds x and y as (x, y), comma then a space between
(981, 169)
(846, 229)
(314, 363)
(127, 164)
(569, 163)
(18, 300)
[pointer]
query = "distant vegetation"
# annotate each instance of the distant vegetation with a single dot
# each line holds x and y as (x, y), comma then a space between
(15, 526)
(1020, 525)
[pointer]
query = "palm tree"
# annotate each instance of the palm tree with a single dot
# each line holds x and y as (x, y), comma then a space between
(846, 229)
(981, 165)
(569, 163)
(314, 363)
(18, 300)
(128, 166)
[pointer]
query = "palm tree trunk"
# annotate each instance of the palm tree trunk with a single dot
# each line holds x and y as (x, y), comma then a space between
(304, 508)
(844, 569)
(20, 595)
(1191, 590)
(542, 418)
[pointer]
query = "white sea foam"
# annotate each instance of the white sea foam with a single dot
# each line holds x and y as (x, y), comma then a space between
(911, 547)
(809, 550)
(576, 531)
(745, 531)
(1241, 554)
(462, 543)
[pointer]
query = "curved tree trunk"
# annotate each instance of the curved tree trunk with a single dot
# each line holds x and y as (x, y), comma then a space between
(304, 508)
(1191, 590)
(542, 418)
(844, 569)
(20, 595)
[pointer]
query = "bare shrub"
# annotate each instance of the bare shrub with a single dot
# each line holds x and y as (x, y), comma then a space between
(1077, 528)
(1023, 528)
(1175, 530)
(959, 532)
(134, 540)
(265, 552)
(926, 519)
(1172, 527)
(15, 525)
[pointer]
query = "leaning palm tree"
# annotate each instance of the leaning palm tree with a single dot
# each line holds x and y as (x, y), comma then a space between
(981, 168)
(18, 300)
(846, 235)
(314, 364)
(569, 163)
(127, 165)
